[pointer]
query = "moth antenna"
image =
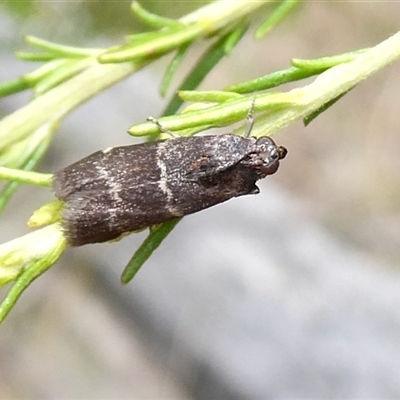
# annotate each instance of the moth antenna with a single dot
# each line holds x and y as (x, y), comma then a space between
(250, 117)
(162, 128)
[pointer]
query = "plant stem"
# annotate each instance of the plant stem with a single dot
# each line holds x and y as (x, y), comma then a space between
(331, 84)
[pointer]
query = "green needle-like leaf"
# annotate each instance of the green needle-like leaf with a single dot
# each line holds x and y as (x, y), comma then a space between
(12, 87)
(277, 16)
(171, 69)
(153, 20)
(61, 50)
(146, 249)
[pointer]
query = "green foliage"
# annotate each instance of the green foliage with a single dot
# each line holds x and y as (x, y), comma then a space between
(70, 76)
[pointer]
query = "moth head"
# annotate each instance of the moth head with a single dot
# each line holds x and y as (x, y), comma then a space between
(267, 156)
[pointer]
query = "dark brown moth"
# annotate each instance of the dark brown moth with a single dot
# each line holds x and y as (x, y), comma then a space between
(123, 189)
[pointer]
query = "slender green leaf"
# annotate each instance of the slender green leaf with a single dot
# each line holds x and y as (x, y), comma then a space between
(212, 96)
(22, 176)
(61, 50)
(13, 86)
(324, 63)
(206, 63)
(146, 249)
(171, 69)
(153, 20)
(38, 57)
(274, 79)
(234, 37)
(164, 42)
(276, 16)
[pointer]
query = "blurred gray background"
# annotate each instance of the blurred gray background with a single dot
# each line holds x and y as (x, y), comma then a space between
(294, 293)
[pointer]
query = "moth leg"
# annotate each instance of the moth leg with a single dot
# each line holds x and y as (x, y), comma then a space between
(162, 128)
(250, 117)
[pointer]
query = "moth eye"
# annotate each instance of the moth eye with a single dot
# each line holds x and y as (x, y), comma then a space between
(282, 152)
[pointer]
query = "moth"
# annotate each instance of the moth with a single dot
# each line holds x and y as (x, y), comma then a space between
(127, 188)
